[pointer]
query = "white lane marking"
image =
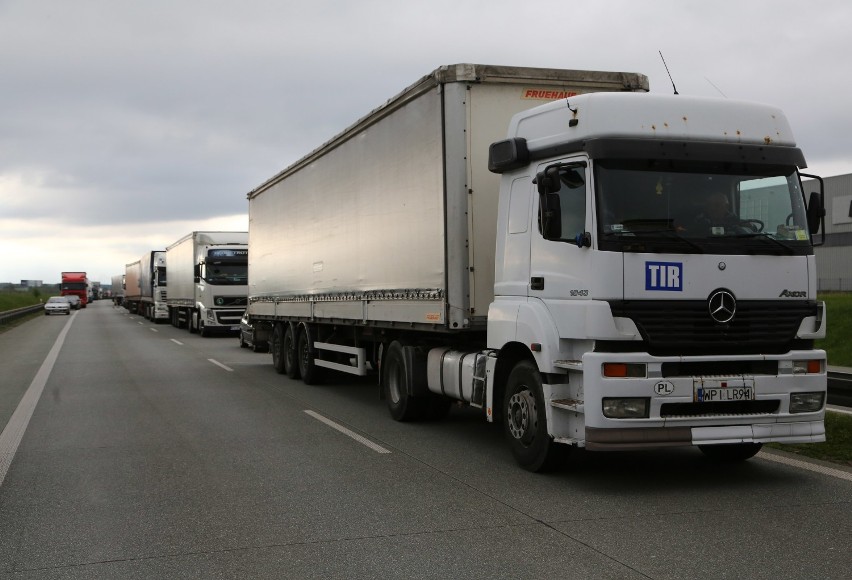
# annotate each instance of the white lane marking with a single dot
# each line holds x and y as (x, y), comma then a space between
(17, 425)
(805, 465)
(177, 341)
(363, 440)
(154, 330)
(218, 364)
(140, 323)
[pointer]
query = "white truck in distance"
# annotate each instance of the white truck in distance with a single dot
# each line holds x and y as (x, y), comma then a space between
(207, 281)
(640, 275)
(145, 286)
(117, 290)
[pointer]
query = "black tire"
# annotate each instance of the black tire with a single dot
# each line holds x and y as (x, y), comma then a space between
(202, 329)
(275, 344)
(402, 406)
(310, 372)
(731, 453)
(525, 423)
(191, 322)
(291, 363)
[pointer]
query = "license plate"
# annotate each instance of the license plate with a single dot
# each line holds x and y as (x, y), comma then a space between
(235, 328)
(721, 391)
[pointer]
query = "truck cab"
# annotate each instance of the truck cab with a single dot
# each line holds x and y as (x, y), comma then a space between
(655, 262)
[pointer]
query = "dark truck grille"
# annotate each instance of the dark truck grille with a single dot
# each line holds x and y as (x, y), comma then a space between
(685, 327)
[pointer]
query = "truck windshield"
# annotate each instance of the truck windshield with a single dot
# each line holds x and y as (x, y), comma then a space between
(654, 206)
(226, 273)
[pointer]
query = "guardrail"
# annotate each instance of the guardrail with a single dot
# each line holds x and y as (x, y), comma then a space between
(10, 315)
(840, 389)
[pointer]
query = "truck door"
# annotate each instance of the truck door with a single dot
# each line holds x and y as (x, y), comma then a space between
(561, 265)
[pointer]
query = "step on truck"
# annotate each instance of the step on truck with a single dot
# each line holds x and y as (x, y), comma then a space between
(207, 290)
(145, 281)
(609, 270)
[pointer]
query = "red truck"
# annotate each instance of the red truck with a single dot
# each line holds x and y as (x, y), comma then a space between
(75, 283)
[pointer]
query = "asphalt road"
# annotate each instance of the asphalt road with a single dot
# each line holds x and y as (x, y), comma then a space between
(145, 459)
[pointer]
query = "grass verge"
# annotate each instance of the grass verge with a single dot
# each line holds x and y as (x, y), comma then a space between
(837, 447)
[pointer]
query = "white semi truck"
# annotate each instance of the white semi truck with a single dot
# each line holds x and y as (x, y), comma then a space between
(117, 290)
(207, 281)
(574, 280)
(145, 281)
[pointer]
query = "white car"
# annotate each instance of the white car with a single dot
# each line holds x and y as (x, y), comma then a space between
(57, 305)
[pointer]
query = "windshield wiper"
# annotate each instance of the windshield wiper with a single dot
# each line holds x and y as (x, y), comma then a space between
(766, 236)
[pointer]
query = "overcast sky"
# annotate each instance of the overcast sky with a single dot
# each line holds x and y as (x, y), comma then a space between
(125, 124)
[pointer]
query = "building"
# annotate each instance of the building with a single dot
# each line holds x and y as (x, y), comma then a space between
(834, 258)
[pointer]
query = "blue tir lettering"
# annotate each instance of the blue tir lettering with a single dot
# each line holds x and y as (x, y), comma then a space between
(667, 276)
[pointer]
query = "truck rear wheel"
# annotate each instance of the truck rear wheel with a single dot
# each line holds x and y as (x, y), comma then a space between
(525, 421)
(731, 453)
(310, 372)
(275, 345)
(402, 406)
(291, 363)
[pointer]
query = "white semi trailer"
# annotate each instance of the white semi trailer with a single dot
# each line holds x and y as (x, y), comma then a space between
(145, 281)
(570, 280)
(207, 281)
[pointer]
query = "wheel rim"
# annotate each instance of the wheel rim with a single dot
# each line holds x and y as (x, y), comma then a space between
(304, 355)
(287, 350)
(275, 348)
(522, 419)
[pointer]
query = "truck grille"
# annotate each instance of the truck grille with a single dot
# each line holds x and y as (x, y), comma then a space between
(685, 327)
(229, 317)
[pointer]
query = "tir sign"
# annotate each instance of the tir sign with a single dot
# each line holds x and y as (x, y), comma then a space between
(667, 276)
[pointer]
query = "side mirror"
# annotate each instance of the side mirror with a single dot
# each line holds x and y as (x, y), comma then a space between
(816, 212)
(548, 181)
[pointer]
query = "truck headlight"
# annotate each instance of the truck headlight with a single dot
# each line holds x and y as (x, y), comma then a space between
(806, 402)
(211, 316)
(807, 367)
(626, 408)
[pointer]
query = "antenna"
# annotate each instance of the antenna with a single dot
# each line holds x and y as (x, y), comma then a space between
(715, 87)
(667, 71)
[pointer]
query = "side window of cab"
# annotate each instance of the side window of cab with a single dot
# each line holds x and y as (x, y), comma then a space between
(562, 202)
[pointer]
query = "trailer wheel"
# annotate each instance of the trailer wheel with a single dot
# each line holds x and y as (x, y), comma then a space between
(291, 363)
(275, 345)
(732, 453)
(525, 423)
(402, 406)
(311, 373)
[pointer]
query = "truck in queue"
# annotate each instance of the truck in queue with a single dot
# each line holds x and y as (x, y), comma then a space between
(145, 281)
(208, 279)
(117, 289)
(610, 270)
(75, 284)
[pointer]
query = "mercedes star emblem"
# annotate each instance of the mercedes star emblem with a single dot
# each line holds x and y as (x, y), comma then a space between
(722, 305)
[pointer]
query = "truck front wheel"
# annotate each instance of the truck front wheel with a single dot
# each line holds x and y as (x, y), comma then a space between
(525, 421)
(731, 453)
